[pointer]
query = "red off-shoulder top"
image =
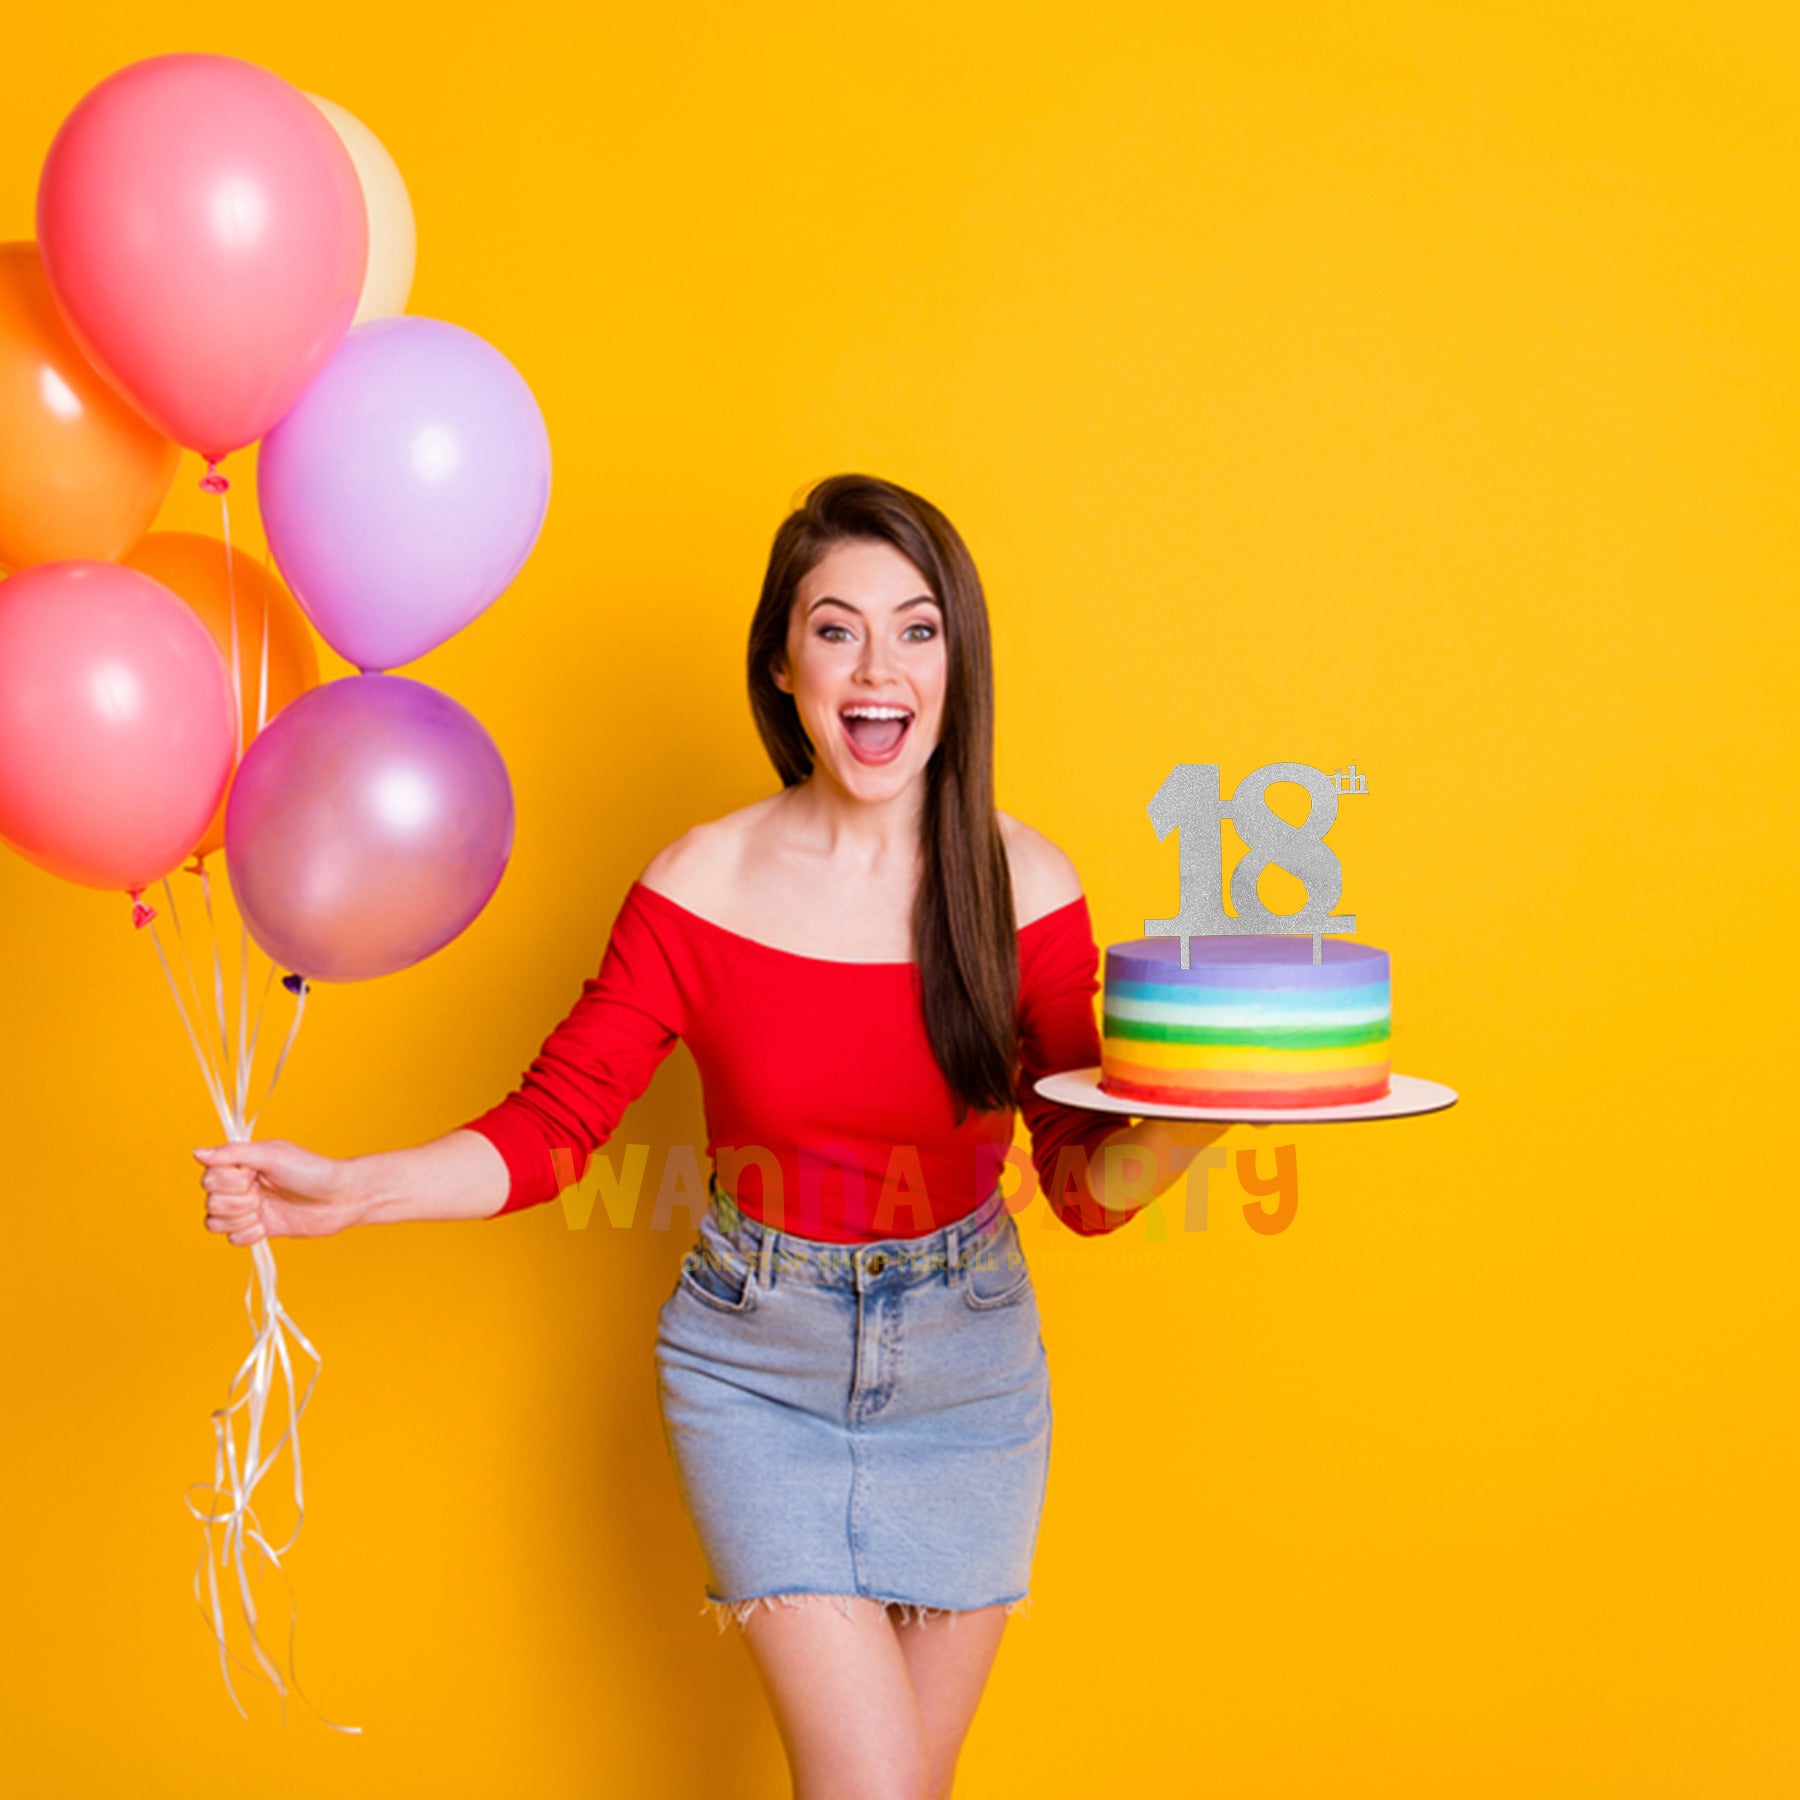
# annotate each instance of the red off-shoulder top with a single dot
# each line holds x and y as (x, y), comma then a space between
(817, 1076)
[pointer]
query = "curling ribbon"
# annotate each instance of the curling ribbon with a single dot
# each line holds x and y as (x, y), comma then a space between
(224, 1506)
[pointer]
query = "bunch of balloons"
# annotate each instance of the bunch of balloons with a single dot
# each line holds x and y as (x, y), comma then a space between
(223, 259)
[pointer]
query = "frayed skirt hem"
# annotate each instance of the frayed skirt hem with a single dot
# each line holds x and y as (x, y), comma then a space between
(726, 1612)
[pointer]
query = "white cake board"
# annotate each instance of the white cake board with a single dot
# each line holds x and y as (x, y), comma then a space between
(1407, 1096)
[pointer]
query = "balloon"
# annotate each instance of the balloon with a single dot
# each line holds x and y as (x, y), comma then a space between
(404, 491)
(367, 826)
(192, 568)
(205, 237)
(116, 730)
(81, 474)
(393, 238)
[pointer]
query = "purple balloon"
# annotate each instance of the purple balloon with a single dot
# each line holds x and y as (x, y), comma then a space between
(405, 490)
(368, 824)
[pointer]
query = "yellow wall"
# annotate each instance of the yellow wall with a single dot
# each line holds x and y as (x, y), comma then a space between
(1412, 384)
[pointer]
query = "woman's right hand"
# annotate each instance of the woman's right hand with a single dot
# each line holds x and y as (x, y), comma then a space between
(271, 1189)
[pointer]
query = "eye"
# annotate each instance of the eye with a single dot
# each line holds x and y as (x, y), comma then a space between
(827, 630)
(926, 632)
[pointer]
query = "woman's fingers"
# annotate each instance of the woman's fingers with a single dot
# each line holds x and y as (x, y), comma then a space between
(233, 1205)
(231, 1211)
(269, 1189)
(240, 1225)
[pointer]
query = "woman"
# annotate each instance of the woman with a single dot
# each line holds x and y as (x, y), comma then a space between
(871, 967)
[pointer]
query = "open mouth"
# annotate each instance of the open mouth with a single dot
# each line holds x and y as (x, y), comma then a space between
(875, 733)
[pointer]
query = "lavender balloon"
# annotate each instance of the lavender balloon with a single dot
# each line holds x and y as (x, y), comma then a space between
(367, 826)
(404, 491)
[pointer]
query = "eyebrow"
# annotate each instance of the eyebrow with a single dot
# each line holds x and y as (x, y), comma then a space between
(833, 600)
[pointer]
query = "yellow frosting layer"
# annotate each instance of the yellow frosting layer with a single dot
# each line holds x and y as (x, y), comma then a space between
(1135, 1052)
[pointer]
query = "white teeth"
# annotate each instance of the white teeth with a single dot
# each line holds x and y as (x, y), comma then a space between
(876, 712)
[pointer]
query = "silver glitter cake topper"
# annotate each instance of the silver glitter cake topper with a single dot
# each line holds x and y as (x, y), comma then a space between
(1190, 802)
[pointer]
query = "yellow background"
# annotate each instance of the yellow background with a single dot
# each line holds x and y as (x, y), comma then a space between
(1412, 384)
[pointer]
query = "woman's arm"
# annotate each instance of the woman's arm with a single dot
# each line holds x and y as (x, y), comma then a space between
(277, 1189)
(520, 1153)
(1131, 1166)
(461, 1175)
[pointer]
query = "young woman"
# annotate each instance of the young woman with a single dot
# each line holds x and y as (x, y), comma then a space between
(872, 967)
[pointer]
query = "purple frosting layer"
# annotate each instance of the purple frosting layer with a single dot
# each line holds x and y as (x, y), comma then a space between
(1246, 962)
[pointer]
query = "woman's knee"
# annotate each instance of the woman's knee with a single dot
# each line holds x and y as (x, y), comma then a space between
(891, 1777)
(897, 1768)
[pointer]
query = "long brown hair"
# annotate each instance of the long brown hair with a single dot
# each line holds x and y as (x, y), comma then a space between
(964, 937)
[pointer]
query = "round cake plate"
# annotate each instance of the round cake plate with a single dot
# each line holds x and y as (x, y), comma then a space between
(1407, 1097)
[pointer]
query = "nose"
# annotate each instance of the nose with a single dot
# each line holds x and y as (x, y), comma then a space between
(871, 666)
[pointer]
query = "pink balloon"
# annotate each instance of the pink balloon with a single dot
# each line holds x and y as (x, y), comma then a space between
(368, 824)
(117, 728)
(204, 232)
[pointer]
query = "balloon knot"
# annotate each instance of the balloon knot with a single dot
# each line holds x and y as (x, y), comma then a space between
(295, 984)
(196, 867)
(141, 915)
(212, 482)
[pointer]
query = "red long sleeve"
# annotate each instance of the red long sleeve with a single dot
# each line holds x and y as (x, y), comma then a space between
(821, 1091)
(594, 1064)
(1059, 975)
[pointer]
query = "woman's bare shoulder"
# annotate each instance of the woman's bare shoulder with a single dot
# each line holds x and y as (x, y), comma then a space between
(700, 870)
(1043, 878)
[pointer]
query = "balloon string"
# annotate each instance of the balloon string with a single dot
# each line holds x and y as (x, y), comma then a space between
(288, 1044)
(243, 1088)
(229, 1520)
(262, 679)
(237, 680)
(235, 1476)
(247, 1056)
(207, 1073)
(212, 933)
(246, 1047)
(187, 969)
(216, 1065)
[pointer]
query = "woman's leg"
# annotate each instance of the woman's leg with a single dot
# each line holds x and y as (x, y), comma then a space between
(843, 1700)
(949, 1664)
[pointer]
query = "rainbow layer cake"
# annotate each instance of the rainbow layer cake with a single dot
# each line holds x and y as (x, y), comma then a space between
(1251, 1021)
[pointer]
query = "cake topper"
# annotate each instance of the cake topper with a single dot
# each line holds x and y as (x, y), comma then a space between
(1190, 802)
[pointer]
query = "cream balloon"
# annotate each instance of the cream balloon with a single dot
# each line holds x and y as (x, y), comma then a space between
(393, 239)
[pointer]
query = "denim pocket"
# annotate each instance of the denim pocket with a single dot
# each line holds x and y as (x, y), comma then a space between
(722, 1281)
(995, 1272)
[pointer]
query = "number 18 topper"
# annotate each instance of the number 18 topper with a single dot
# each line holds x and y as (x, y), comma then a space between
(1190, 802)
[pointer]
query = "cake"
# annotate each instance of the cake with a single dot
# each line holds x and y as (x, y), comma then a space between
(1251, 1021)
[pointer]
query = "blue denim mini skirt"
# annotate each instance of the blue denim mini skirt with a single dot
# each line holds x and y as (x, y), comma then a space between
(864, 1422)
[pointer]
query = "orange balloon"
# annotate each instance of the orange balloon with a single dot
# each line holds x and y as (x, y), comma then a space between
(193, 567)
(81, 474)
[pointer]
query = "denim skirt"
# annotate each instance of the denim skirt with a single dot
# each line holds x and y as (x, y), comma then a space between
(864, 1422)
